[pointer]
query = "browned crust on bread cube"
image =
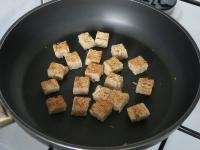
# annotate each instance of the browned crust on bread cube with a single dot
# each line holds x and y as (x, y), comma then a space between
(144, 86)
(57, 71)
(137, 65)
(50, 86)
(94, 72)
(112, 65)
(61, 49)
(102, 39)
(86, 40)
(81, 85)
(114, 81)
(101, 109)
(73, 60)
(80, 106)
(118, 99)
(138, 112)
(56, 104)
(119, 51)
(101, 93)
(93, 56)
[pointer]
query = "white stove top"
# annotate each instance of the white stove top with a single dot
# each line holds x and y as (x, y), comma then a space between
(186, 14)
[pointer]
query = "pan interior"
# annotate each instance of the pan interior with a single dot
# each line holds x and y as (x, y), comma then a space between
(117, 128)
(27, 53)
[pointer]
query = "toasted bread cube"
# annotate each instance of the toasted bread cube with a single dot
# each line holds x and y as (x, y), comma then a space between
(101, 93)
(81, 85)
(86, 40)
(138, 65)
(118, 99)
(114, 81)
(102, 39)
(80, 106)
(101, 109)
(57, 71)
(61, 49)
(112, 65)
(93, 56)
(144, 86)
(56, 104)
(119, 51)
(138, 112)
(94, 72)
(73, 60)
(50, 86)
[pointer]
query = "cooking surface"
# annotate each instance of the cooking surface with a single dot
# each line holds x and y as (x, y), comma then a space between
(191, 122)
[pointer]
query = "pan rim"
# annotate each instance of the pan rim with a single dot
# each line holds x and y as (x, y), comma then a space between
(141, 144)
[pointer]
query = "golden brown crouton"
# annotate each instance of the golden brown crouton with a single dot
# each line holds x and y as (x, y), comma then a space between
(73, 60)
(118, 99)
(61, 49)
(112, 65)
(57, 71)
(86, 40)
(114, 81)
(138, 112)
(138, 65)
(102, 39)
(80, 106)
(144, 86)
(101, 109)
(119, 51)
(56, 104)
(93, 56)
(50, 86)
(81, 85)
(94, 72)
(101, 93)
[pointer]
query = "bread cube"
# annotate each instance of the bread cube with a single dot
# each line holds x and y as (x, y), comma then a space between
(101, 93)
(102, 39)
(56, 104)
(138, 65)
(114, 81)
(94, 72)
(57, 71)
(101, 109)
(81, 85)
(118, 99)
(119, 51)
(138, 112)
(50, 86)
(73, 60)
(144, 86)
(93, 56)
(80, 106)
(112, 65)
(86, 40)
(61, 49)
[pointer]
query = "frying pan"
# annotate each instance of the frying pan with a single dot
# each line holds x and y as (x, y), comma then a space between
(173, 57)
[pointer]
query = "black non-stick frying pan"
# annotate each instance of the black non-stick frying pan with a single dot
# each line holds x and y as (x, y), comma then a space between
(173, 57)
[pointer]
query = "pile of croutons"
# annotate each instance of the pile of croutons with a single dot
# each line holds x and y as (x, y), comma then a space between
(106, 98)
